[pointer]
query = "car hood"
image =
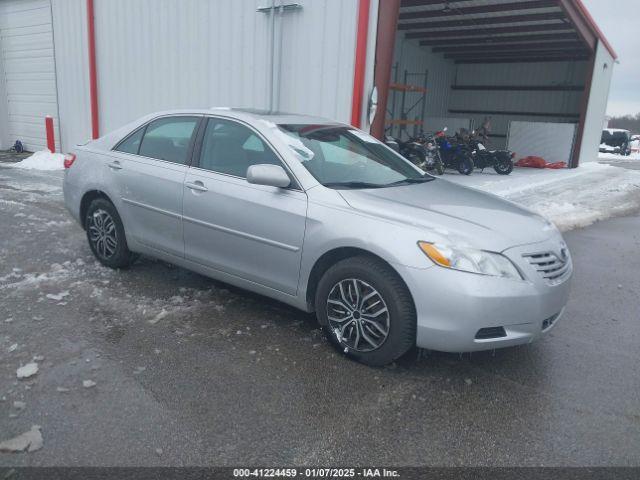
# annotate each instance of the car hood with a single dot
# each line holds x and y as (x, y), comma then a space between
(450, 212)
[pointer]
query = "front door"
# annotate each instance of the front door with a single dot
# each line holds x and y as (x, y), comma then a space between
(254, 232)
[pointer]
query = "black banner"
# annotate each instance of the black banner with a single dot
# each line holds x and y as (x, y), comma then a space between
(405, 473)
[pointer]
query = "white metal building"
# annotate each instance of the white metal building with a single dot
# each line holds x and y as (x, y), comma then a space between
(94, 65)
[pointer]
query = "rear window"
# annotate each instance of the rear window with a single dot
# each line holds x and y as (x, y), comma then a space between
(169, 138)
(131, 144)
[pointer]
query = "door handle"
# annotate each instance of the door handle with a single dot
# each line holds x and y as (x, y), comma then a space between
(115, 165)
(197, 185)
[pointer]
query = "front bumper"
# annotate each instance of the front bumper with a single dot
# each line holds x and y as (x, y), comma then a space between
(452, 306)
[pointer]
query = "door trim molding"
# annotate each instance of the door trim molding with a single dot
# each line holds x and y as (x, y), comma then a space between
(237, 233)
(153, 209)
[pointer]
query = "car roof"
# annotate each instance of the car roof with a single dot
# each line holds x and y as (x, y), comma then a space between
(249, 114)
(614, 130)
(254, 117)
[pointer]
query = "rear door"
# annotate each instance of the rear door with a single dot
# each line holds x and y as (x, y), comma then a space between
(149, 168)
(254, 232)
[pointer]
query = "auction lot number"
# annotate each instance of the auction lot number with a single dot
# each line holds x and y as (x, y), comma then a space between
(313, 472)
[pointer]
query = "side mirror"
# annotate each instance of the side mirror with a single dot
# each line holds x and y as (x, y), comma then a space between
(270, 175)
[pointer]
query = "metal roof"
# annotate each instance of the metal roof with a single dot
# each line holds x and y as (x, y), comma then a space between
(477, 31)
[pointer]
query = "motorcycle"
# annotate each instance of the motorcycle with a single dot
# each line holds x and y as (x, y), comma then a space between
(422, 154)
(500, 160)
(454, 153)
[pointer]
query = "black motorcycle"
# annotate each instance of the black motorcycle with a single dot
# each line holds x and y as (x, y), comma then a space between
(423, 154)
(500, 160)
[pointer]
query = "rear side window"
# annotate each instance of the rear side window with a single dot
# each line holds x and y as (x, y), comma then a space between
(131, 144)
(169, 138)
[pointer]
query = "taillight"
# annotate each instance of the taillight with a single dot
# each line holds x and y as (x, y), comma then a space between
(69, 158)
(513, 154)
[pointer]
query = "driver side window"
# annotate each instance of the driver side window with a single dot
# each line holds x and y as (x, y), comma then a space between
(231, 148)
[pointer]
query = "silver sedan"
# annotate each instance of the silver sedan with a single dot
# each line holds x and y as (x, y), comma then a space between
(323, 217)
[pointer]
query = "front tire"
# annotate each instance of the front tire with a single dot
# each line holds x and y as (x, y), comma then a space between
(465, 166)
(105, 234)
(366, 311)
(418, 158)
(439, 165)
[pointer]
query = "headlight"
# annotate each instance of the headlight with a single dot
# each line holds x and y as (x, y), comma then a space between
(470, 260)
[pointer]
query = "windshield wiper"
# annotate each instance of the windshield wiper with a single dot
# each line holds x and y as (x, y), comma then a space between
(408, 181)
(353, 185)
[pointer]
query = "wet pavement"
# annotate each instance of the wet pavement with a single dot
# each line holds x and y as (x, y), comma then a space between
(189, 371)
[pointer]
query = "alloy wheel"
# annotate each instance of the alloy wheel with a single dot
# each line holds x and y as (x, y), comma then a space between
(102, 233)
(358, 315)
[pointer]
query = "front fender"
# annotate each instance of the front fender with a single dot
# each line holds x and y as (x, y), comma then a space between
(330, 228)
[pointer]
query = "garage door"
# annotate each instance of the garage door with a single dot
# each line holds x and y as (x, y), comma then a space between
(26, 40)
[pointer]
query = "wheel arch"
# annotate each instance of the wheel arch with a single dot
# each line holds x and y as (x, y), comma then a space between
(88, 197)
(330, 258)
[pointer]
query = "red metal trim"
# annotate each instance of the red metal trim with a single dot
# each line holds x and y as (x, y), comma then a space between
(364, 7)
(594, 26)
(93, 76)
(51, 141)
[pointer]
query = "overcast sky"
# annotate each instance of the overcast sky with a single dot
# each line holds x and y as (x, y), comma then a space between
(620, 22)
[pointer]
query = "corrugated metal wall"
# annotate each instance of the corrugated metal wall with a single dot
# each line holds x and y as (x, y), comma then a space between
(597, 107)
(417, 61)
(159, 54)
(519, 74)
(72, 71)
(28, 67)
(318, 48)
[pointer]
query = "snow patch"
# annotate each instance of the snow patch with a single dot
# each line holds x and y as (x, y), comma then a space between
(30, 441)
(42, 160)
(59, 296)
(163, 313)
(570, 198)
(28, 370)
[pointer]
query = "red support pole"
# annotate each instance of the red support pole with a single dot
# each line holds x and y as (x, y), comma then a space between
(51, 141)
(93, 77)
(389, 11)
(361, 61)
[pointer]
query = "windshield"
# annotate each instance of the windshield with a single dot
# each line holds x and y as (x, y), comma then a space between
(342, 157)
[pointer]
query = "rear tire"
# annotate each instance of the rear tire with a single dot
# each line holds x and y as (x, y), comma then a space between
(105, 234)
(369, 286)
(503, 166)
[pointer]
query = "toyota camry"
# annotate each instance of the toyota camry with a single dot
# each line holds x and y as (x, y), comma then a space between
(324, 217)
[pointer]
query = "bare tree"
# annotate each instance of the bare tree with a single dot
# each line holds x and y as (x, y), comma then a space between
(627, 122)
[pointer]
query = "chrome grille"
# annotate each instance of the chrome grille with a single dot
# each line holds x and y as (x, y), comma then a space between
(551, 266)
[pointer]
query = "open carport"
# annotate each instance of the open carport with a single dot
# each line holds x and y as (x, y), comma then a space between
(539, 70)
